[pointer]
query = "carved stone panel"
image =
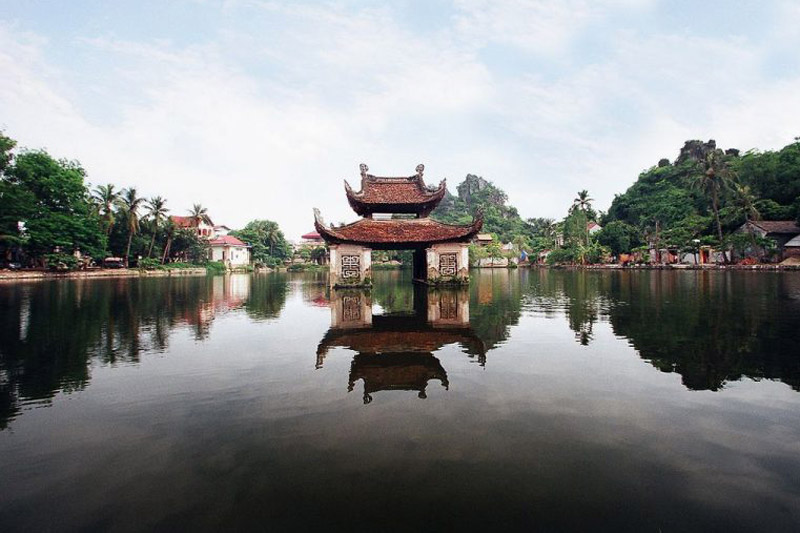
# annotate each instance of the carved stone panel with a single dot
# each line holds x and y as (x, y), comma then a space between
(447, 264)
(351, 267)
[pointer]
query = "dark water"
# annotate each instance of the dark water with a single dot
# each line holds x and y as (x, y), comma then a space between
(545, 400)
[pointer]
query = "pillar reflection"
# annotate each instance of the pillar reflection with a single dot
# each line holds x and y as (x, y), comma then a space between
(395, 351)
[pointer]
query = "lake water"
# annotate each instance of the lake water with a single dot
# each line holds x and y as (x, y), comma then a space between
(555, 400)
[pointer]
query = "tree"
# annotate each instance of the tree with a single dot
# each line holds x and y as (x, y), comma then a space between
(156, 209)
(45, 207)
(106, 197)
(129, 204)
(268, 243)
(714, 176)
(582, 201)
(7, 144)
(199, 214)
(170, 229)
(619, 236)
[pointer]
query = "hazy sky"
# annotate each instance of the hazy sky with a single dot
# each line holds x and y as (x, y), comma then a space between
(259, 109)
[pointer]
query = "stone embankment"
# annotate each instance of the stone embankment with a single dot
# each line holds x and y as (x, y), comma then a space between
(30, 275)
(763, 267)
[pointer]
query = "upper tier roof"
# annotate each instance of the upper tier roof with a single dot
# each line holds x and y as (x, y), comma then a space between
(397, 233)
(394, 194)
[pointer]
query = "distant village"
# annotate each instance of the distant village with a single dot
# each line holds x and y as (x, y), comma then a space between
(708, 207)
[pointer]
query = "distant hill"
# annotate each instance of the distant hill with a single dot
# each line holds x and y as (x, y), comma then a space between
(476, 192)
(671, 193)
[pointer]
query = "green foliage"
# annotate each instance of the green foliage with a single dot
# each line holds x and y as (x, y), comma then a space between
(711, 192)
(476, 193)
(189, 247)
(50, 199)
(148, 263)
(562, 255)
(619, 237)
(216, 267)
(269, 246)
(61, 261)
(575, 228)
(476, 253)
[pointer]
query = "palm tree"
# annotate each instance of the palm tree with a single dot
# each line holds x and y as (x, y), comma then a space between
(170, 233)
(714, 176)
(745, 202)
(156, 209)
(583, 202)
(106, 197)
(199, 214)
(272, 235)
(130, 203)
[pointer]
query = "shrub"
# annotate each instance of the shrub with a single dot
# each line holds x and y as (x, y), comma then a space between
(61, 261)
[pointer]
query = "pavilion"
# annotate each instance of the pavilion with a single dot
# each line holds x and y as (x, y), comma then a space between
(394, 213)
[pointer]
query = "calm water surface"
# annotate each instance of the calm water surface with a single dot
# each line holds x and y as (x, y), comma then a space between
(640, 401)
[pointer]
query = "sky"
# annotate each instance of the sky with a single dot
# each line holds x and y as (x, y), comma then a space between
(260, 109)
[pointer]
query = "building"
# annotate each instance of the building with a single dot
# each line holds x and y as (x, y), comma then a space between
(784, 232)
(221, 230)
(440, 250)
(483, 239)
(310, 240)
(203, 227)
(593, 227)
(229, 250)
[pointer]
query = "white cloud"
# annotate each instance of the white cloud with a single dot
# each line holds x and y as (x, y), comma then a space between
(266, 125)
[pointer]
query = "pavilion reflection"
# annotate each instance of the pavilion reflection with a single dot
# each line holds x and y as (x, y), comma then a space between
(395, 351)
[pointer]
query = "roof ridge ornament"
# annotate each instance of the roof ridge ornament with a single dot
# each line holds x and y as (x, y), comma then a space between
(364, 169)
(420, 170)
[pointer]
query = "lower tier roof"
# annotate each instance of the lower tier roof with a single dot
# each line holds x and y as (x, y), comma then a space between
(397, 233)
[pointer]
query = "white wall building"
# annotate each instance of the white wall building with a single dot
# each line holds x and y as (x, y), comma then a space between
(229, 250)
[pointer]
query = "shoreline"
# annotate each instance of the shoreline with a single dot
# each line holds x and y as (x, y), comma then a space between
(763, 267)
(40, 275)
(34, 275)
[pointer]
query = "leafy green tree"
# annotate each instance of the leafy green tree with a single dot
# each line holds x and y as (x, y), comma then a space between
(620, 237)
(575, 228)
(268, 243)
(46, 207)
(130, 203)
(7, 144)
(187, 246)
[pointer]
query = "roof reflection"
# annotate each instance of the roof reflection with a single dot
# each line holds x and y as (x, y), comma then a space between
(395, 351)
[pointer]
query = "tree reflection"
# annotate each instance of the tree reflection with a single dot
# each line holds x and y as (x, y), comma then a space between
(50, 331)
(712, 327)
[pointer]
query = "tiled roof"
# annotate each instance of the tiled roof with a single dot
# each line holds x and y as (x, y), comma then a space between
(394, 195)
(778, 226)
(183, 222)
(226, 240)
(408, 231)
(311, 236)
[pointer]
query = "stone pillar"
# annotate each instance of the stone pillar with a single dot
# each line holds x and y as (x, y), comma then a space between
(351, 266)
(448, 263)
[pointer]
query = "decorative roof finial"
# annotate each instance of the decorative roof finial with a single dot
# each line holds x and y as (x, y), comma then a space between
(364, 168)
(420, 170)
